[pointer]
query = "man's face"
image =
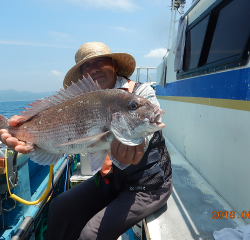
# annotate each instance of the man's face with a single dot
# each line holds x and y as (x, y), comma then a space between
(102, 69)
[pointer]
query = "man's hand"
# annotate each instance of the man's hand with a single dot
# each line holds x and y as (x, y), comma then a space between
(127, 154)
(13, 142)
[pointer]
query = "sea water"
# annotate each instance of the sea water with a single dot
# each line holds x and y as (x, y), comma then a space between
(11, 108)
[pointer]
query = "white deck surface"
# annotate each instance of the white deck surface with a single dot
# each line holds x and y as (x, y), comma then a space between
(189, 210)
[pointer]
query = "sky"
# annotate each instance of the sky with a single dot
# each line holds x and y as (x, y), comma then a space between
(39, 39)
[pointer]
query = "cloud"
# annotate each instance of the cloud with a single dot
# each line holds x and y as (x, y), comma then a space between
(123, 29)
(126, 5)
(56, 73)
(156, 53)
(60, 37)
(13, 42)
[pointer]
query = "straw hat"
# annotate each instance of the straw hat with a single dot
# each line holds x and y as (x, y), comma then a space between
(92, 50)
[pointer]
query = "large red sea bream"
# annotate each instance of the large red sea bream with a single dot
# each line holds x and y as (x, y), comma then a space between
(84, 119)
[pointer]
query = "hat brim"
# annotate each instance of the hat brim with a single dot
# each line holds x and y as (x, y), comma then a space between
(125, 61)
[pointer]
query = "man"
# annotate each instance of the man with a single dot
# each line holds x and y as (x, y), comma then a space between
(134, 181)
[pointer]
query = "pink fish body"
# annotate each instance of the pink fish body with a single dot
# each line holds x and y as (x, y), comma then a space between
(85, 119)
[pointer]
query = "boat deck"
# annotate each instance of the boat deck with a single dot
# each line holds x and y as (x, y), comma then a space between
(189, 211)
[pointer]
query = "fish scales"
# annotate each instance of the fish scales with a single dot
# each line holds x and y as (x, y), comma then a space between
(70, 122)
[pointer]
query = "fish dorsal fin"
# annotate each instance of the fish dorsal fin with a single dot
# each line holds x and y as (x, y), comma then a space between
(75, 89)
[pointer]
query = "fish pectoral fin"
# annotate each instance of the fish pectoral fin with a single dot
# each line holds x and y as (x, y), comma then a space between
(43, 158)
(83, 140)
(96, 160)
(108, 137)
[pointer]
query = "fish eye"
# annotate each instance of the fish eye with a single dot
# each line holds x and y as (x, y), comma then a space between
(133, 105)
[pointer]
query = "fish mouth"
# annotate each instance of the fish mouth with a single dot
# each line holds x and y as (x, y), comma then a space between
(157, 115)
(160, 125)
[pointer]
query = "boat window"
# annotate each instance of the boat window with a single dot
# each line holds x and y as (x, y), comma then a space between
(194, 43)
(231, 31)
(218, 39)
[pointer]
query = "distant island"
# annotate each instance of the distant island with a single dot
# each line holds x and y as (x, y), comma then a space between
(13, 95)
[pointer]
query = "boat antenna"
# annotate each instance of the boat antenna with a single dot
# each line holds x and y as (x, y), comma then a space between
(175, 6)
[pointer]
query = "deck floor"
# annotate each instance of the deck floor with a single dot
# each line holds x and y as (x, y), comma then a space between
(189, 210)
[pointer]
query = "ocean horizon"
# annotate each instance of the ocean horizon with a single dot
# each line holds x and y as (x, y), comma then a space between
(10, 108)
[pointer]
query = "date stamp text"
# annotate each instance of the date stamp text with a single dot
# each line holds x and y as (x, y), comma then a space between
(231, 214)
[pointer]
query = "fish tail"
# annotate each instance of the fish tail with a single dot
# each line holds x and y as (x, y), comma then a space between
(4, 122)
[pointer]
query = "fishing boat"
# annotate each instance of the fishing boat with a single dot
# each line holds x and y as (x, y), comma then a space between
(27, 180)
(203, 85)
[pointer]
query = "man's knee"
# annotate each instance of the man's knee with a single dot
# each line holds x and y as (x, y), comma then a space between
(88, 233)
(57, 208)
